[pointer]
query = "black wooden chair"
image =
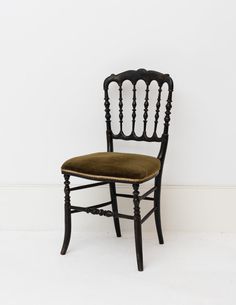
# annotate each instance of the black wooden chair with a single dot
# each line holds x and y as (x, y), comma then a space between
(111, 167)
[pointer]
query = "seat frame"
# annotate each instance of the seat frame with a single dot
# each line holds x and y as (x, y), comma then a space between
(133, 76)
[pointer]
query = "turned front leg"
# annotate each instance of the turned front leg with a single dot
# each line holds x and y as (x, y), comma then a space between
(137, 227)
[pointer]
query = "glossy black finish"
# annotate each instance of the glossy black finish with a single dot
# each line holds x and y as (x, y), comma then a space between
(131, 196)
(138, 228)
(67, 215)
(90, 209)
(114, 208)
(95, 210)
(133, 76)
(157, 206)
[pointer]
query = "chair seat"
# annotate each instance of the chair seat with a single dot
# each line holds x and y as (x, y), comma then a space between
(113, 166)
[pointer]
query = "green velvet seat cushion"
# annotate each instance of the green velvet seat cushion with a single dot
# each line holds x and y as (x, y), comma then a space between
(106, 166)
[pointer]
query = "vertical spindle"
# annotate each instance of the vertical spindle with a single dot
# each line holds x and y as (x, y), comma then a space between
(168, 112)
(158, 105)
(121, 108)
(145, 114)
(134, 104)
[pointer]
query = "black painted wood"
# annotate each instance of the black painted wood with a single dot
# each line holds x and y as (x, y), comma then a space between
(95, 211)
(158, 105)
(137, 228)
(131, 196)
(157, 206)
(115, 208)
(134, 105)
(145, 112)
(121, 108)
(67, 215)
(133, 76)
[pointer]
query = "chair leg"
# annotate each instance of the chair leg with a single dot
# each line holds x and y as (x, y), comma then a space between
(67, 215)
(157, 212)
(114, 208)
(137, 228)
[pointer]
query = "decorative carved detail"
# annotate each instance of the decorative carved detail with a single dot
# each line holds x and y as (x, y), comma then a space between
(134, 104)
(136, 202)
(67, 215)
(158, 105)
(168, 112)
(99, 212)
(107, 107)
(145, 114)
(67, 189)
(137, 227)
(120, 107)
(108, 121)
(133, 136)
(134, 76)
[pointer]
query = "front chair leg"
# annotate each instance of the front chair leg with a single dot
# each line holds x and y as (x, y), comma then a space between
(67, 215)
(157, 212)
(114, 208)
(137, 228)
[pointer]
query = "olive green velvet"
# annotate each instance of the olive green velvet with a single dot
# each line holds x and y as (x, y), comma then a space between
(123, 167)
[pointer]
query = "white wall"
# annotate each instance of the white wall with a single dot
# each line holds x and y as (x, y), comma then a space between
(54, 56)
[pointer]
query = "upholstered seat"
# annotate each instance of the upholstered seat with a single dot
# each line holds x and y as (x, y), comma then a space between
(113, 166)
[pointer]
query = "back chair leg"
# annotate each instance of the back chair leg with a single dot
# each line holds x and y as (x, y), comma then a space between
(157, 212)
(67, 215)
(137, 227)
(114, 208)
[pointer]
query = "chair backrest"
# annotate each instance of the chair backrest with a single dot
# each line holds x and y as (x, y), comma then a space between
(134, 76)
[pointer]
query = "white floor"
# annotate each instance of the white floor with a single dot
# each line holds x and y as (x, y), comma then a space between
(101, 269)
